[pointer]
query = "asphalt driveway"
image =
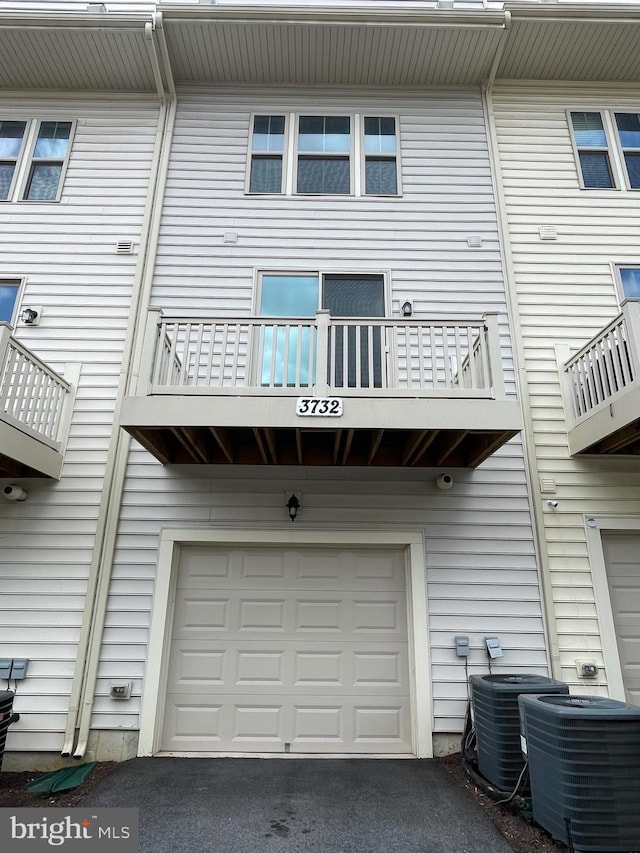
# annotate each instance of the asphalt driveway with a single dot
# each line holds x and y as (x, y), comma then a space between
(226, 805)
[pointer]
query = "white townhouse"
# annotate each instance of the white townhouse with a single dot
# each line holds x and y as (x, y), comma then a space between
(260, 432)
(565, 128)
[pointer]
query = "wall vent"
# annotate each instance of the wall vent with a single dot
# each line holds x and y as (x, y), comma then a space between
(124, 247)
(548, 232)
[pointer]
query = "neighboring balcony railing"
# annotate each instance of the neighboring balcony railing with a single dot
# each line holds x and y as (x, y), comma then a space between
(35, 404)
(601, 382)
(372, 357)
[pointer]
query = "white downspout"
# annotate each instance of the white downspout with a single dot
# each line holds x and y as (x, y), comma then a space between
(531, 469)
(90, 641)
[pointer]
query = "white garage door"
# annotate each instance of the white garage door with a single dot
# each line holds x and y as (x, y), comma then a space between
(622, 556)
(289, 650)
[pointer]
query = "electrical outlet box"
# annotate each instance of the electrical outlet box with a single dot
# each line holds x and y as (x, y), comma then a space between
(587, 668)
(19, 668)
(462, 646)
(494, 649)
(120, 690)
(5, 668)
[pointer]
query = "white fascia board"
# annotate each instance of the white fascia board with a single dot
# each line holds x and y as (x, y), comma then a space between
(571, 10)
(387, 14)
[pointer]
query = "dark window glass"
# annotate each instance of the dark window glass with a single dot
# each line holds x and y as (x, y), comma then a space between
(596, 171)
(266, 175)
(380, 176)
(330, 134)
(6, 176)
(633, 169)
(379, 135)
(323, 175)
(43, 181)
(53, 139)
(628, 129)
(268, 133)
(589, 130)
(11, 133)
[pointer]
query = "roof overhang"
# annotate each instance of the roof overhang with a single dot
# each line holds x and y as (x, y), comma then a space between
(323, 45)
(72, 52)
(331, 45)
(562, 41)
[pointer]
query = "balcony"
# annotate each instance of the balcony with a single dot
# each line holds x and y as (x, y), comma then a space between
(35, 411)
(602, 389)
(321, 391)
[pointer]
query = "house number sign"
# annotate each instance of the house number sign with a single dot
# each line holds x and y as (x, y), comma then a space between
(319, 407)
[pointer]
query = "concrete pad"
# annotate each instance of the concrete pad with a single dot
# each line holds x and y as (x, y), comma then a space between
(246, 805)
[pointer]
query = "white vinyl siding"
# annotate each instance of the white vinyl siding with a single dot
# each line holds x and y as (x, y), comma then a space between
(566, 293)
(481, 562)
(67, 255)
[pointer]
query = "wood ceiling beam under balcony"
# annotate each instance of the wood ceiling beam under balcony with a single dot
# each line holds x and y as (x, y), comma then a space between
(620, 441)
(223, 440)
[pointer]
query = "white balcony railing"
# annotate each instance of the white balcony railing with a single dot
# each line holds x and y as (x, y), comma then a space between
(33, 398)
(384, 357)
(606, 367)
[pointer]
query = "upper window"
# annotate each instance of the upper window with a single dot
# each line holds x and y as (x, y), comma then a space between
(607, 146)
(324, 155)
(33, 159)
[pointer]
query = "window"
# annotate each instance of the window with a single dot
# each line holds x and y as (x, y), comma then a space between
(628, 127)
(9, 289)
(287, 352)
(607, 146)
(629, 282)
(323, 155)
(593, 150)
(33, 159)
(11, 139)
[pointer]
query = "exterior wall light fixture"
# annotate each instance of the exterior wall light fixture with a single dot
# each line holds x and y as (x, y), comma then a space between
(293, 505)
(407, 309)
(29, 316)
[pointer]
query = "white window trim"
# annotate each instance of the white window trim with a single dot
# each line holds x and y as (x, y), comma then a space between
(20, 281)
(155, 681)
(357, 155)
(614, 149)
(26, 159)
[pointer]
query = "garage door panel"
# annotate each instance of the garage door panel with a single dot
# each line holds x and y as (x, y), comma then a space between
(301, 650)
(361, 669)
(287, 612)
(622, 557)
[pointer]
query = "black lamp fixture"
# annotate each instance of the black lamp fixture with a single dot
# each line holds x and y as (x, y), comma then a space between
(29, 316)
(407, 309)
(293, 505)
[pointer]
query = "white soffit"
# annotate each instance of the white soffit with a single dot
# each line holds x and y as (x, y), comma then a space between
(552, 49)
(329, 53)
(60, 56)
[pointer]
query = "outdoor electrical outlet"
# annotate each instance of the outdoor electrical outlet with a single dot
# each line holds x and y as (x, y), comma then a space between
(5, 668)
(462, 646)
(587, 668)
(19, 668)
(120, 690)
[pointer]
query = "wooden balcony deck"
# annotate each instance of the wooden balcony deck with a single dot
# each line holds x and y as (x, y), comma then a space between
(35, 411)
(602, 389)
(321, 391)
